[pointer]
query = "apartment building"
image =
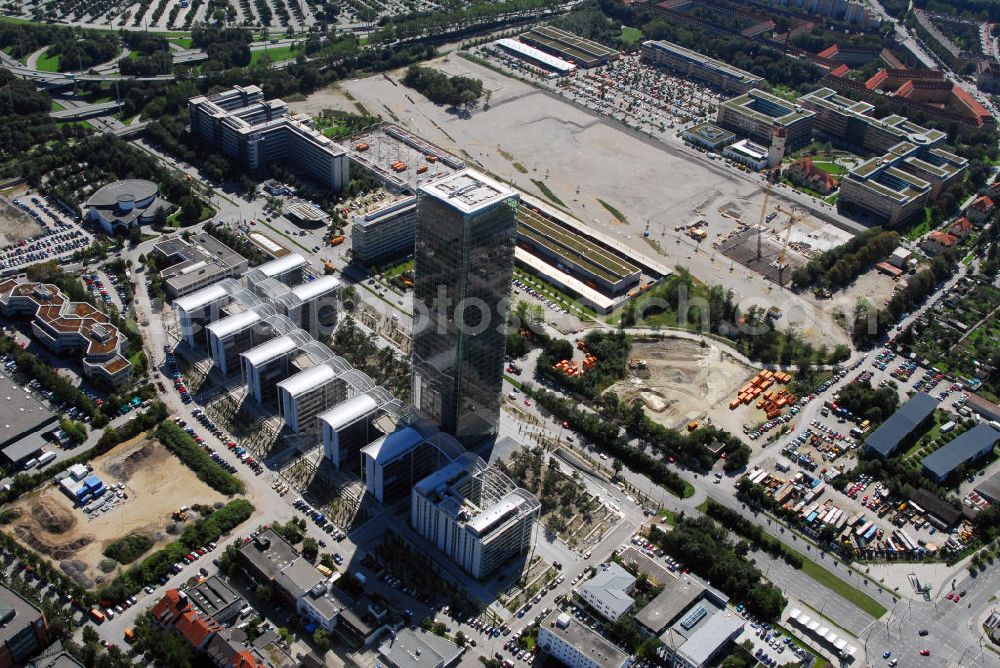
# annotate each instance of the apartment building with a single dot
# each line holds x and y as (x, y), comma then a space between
(609, 591)
(475, 514)
(693, 65)
(258, 133)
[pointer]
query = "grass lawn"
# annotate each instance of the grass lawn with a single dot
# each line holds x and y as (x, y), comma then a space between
(555, 294)
(48, 63)
(831, 581)
(277, 54)
(613, 211)
(830, 166)
(547, 192)
(630, 36)
(56, 106)
(183, 42)
(401, 268)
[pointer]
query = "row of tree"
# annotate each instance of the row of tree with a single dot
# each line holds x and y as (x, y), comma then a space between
(839, 267)
(188, 451)
(869, 403)
(441, 88)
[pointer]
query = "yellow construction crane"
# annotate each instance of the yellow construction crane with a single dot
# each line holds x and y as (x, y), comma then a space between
(763, 218)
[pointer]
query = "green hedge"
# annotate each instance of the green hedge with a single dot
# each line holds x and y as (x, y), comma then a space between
(129, 548)
(207, 469)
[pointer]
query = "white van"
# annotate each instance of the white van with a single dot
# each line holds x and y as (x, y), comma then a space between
(30, 464)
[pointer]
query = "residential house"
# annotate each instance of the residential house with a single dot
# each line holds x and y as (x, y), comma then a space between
(804, 173)
(938, 242)
(980, 210)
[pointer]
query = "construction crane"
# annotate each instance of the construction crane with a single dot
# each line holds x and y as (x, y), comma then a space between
(763, 217)
(784, 247)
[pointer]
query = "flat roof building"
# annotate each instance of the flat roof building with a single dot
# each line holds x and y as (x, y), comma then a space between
(756, 115)
(903, 427)
(387, 232)
(575, 645)
(747, 153)
(966, 448)
(466, 229)
(475, 514)
(259, 133)
(197, 262)
(569, 47)
(269, 560)
(878, 189)
(23, 629)
(608, 592)
(678, 595)
(215, 598)
(708, 135)
(693, 65)
(24, 419)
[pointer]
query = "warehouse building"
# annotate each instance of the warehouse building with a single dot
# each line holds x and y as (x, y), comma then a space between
(392, 465)
(903, 427)
(197, 310)
(195, 263)
(585, 53)
(288, 269)
(385, 233)
(967, 448)
(553, 64)
(577, 646)
(693, 65)
(756, 115)
(258, 133)
(475, 514)
(25, 419)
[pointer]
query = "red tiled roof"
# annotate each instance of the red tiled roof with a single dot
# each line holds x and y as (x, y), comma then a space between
(905, 90)
(829, 52)
(877, 80)
(983, 202)
(170, 605)
(840, 70)
(245, 660)
(943, 238)
(195, 628)
(970, 103)
(962, 226)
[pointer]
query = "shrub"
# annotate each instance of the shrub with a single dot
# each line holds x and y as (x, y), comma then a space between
(129, 548)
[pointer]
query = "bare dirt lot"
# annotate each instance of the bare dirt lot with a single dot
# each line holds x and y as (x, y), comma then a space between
(683, 381)
(156, 483)
(15, 224)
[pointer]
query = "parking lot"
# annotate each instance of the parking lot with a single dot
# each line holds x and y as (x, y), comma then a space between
(58, 239)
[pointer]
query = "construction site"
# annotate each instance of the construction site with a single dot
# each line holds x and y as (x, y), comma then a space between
(154, 482)
(679, 380)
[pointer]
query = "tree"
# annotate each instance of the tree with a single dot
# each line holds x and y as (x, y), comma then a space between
(322, 640)
(460, 639)
(616, 466)
(310, 549)
(75, 431)
(264, 593)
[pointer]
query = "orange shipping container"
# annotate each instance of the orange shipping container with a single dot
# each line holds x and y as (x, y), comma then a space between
(734, 403)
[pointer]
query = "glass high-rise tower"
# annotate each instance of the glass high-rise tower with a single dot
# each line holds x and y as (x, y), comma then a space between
(466, 228)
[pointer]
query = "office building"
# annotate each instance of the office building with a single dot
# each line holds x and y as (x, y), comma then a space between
(287, 269)
(258, 133)
(394, 463)
(216, 599)
(708, 135)
(574, 644)
(308, 393)
(195, 263)
(119, 206)
(967, 448)
(349, 426)
(903, 427)
(311, 304)
(466, 227)
(197, 310)
(268, 364)
(693, 65)
(475, 514)
(23, 629)
(387, 232)
(66, 328)
(879, 190)
(756, 115)
(609, 591)
(237, 333)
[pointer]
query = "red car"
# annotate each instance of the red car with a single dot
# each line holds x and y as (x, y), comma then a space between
(958, 597)
(527, 402)
(950, 596)
(925, 652)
